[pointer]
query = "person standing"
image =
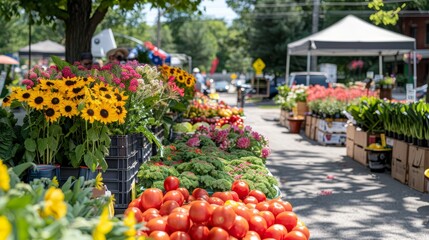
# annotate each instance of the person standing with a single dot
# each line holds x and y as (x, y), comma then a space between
(200, 83)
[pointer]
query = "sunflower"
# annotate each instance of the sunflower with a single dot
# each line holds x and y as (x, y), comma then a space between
(108, 97)
(120, 97)
(24, 95)
(55, 100)
(172, 71)
(106, 114)
(180, 78)
(101, 87)
(89, 113)
(38, 100)
(121, 113)
(68, 108)
(47, 84)
(189, 83)
(87, 80)
(51, 114)
(6, 101)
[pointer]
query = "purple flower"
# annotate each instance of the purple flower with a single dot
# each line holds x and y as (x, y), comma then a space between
(243, 142)
(193, 142)
(256, 136)
(248, 128)
(265, 152)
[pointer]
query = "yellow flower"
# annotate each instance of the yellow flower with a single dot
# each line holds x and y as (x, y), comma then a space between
(51, 114)
(5, 228)
(54, 203)
(4, 177)
(103, 227)
(68, 108)
(38, 100)
(106, 114)
(121, 113)
(189, 83)
(55, 100)
(102, 87)
(24, 95)
(427, 173)
(99, 181)
(55, 181)
(6, 101)
(88, 113)
(130, 221)
(47, 84)
(180, 78)
(108, 97)
(120, 97)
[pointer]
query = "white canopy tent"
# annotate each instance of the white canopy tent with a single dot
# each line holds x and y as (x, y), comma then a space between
(351, 36)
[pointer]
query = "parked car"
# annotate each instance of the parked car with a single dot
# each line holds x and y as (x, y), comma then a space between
(421, 92)
(316, 78)
(221, 86)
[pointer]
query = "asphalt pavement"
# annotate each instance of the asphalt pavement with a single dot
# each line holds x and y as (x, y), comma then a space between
(336, 197)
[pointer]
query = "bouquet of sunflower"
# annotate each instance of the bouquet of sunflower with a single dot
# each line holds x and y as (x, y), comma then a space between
(184, 82)
(68, 115)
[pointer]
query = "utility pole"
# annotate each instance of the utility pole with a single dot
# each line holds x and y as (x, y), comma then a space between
(158, 30)
(314, 29)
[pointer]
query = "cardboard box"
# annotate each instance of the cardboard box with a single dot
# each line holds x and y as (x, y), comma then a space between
(331, 138)
(313, 133)
(314, 121)
(331, 126)
(350, 131)
(308, 120)
(418, 162)
(400, 170)
(361, 138)
(350, 148)
(360, 155)
(308, 131)
(283, 117)
(400, 150)
(390, 142)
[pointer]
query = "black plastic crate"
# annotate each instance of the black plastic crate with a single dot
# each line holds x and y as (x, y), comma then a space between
(122, 199)
(122, 145)
(116, 175)
(84, 172)
(121, 163)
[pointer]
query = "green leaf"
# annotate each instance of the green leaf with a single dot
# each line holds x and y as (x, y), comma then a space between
(79, 151)
(30, 145)
(92, 134)
(18, 170)
(59, 62)
(90, 161)
(42, 145)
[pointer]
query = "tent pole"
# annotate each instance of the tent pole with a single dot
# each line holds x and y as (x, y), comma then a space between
(415, 68)
(380, 64)
(308, 67)
(287, 67)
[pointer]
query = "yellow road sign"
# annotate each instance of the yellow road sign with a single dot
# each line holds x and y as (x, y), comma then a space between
(233, 76)
(258, 65)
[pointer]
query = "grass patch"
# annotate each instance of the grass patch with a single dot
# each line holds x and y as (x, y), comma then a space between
(269, 106)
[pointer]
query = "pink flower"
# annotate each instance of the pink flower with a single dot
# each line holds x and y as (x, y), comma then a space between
(46, 75)
(256, 136)
(134, 82)
(32, 75)
(265, 152)
(80, 67)
(67, 72)
(102, 78)
(122, 85)
(248, 128)
(117, 80)
(243, 142)
(193, 142)
(28, 82)
(132, 88)
(54, 67)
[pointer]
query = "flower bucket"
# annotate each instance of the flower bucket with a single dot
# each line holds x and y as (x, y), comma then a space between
(295, 124)
(43, 171)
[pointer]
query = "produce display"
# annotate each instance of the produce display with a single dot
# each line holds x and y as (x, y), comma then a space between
(238, 213)
(212, 159)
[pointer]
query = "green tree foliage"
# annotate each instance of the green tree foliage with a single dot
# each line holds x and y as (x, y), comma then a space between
(80, 17)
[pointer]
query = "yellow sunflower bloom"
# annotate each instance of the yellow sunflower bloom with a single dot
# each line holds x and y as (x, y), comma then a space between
(89, 113)
(103, 227)
(108, 97)
(101, 87)
(87, 80)
(55, 100)
(5, 228)
(189, 83)
(52, 114)
(427, 173)
(6, 101)
(4, 177)
(47, 84)
(55, 181)
(130, 222)
(121, 112)
(38, 100)
(24, 95)
(106, 114)
(99, 181)
(68, 108)
(54, 204)
(180, 78)
(120, 97)
(70, 83)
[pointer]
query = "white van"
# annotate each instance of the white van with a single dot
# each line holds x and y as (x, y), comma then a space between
(316, 78)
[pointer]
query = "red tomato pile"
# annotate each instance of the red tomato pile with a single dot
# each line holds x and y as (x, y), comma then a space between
(237, 214)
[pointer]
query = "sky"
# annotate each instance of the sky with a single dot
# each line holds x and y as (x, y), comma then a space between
(214, 9)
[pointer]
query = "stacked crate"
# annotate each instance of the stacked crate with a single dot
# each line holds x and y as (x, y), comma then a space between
(418, 162)
(350, 142)
(360, 143)
(331, 132)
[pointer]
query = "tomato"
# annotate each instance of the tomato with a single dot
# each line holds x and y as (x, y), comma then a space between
(159, 235)
(235, 196)
(295, 235)
(138, 215)
(276, 208)
(262, 206)
(216, 200)
(286, 205)
(302, 229)
(242, 211)
(268, 216)
(250, 199)
(258, 195)
(167, 207)
(135, 203)
(181, 210)
(174, 195)
(240, 227)
(241, 188)
(199, 192)
(225, 196)
(218, 233)
(178, 222)
(198, 232)
(252, 235)
(171, 183)
(179, 235)
(151, 216)
(251, 205)
(184, 192)
(276, 231)
(156, 224)
(258, 224)
(141, 233)
(191, 198)
(224, 217)
(151, 198)
(200, 212)
(287, 219)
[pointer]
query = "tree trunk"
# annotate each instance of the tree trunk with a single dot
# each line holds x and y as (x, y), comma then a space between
(80, 27)
(427, 91)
